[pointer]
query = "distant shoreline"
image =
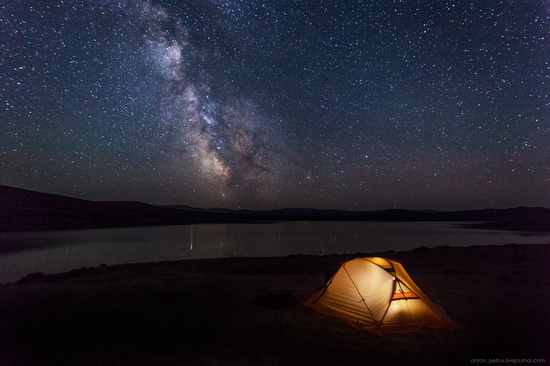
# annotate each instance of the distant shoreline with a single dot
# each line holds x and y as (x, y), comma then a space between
(527, 227)
(524, 226)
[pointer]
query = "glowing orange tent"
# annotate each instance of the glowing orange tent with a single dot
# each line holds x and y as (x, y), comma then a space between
(378, 295)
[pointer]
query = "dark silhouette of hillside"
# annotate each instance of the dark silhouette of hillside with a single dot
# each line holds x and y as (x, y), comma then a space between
(25, 210)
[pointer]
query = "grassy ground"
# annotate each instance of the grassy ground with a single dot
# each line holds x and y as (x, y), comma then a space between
(246, 311)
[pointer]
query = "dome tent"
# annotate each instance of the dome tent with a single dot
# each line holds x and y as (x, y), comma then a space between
(378, 295)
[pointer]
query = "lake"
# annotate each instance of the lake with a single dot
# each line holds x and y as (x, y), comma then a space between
(52, 252)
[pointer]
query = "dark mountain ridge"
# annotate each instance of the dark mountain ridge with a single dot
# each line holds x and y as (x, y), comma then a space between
(26, 210)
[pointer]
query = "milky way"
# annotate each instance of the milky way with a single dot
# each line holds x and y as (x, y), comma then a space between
(265, 104)
(223, 138)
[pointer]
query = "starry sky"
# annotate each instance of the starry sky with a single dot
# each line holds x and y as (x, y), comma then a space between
(260, 104)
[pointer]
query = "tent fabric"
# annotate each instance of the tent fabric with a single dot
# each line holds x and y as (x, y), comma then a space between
(377, 294)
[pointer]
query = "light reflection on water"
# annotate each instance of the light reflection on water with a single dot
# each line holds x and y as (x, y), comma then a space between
(60, 251)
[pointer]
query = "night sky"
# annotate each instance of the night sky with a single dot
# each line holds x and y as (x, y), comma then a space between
(263, 104)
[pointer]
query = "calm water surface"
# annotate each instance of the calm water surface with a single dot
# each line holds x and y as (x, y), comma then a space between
(53, 252)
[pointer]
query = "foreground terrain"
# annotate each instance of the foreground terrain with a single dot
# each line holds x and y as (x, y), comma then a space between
(247, 311)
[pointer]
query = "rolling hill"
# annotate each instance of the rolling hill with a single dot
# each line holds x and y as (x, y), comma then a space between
(26, 210)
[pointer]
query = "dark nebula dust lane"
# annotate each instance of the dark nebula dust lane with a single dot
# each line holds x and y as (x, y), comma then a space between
(266, 104)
